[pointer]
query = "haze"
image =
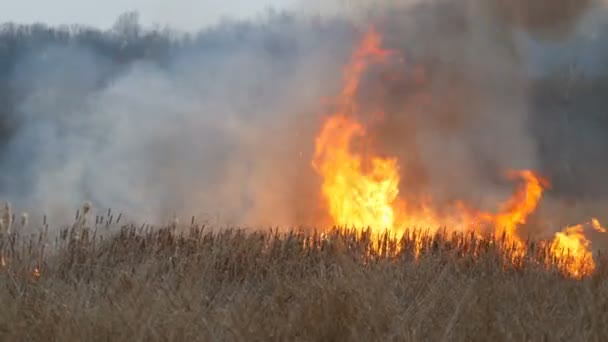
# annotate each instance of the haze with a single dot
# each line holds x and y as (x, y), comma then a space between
(178, 14)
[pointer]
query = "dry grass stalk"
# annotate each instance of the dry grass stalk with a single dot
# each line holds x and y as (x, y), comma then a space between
(165, 284)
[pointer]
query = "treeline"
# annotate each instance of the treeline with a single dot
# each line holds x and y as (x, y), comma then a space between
(569, 110)
(128, 42)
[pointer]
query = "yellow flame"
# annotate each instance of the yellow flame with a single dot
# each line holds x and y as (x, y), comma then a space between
(516, 210)
(355, 197)
(362, 190)
(571, 251)
(595, 223)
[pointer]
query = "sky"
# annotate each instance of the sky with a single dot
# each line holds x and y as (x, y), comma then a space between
(181, 15)
(186, 15)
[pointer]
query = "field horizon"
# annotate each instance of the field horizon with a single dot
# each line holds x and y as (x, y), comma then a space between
(427, 170)
(190, 282)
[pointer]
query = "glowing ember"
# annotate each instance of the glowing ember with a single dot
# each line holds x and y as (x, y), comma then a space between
(36, 272)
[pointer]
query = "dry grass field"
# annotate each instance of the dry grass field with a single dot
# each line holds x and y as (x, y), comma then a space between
(195, 284)
(484, 117)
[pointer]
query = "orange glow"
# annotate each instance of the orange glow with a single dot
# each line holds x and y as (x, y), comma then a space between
(595, 223)
(571, 249)
(571, 252)
(369, 51)
(355, 197)
(368, 197)
(516, 210)
(361, 190)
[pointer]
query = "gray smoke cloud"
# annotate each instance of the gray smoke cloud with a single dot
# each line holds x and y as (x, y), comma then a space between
(224, 124)
(223, 129)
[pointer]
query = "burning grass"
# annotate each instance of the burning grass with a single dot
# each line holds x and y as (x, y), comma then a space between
(344, 284)
(476, 279)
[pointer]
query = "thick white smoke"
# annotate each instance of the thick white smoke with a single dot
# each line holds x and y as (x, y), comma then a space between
(223, 127)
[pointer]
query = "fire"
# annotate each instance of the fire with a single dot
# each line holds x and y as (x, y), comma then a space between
(524, 202)
(595, 223)
(362, 196)
(571, 249)
(361, 190)
(36, 272)
(369, 50)
(355, 197)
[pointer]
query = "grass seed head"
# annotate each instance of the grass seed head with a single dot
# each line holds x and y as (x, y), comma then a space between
(7, 217)
(24, 220)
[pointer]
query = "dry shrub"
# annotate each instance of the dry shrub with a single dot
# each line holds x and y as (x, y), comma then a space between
(138, 283)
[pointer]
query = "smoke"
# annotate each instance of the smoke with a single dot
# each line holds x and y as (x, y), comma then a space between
(221, 124)
(546, 18)
(224, 127)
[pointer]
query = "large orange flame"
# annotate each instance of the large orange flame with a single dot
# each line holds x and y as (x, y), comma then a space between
(516, 210)
(355, 197)
(362, 190)
(369, 198)
(571, 249)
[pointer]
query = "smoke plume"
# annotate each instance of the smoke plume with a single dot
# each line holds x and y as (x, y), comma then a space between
(221, 124)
